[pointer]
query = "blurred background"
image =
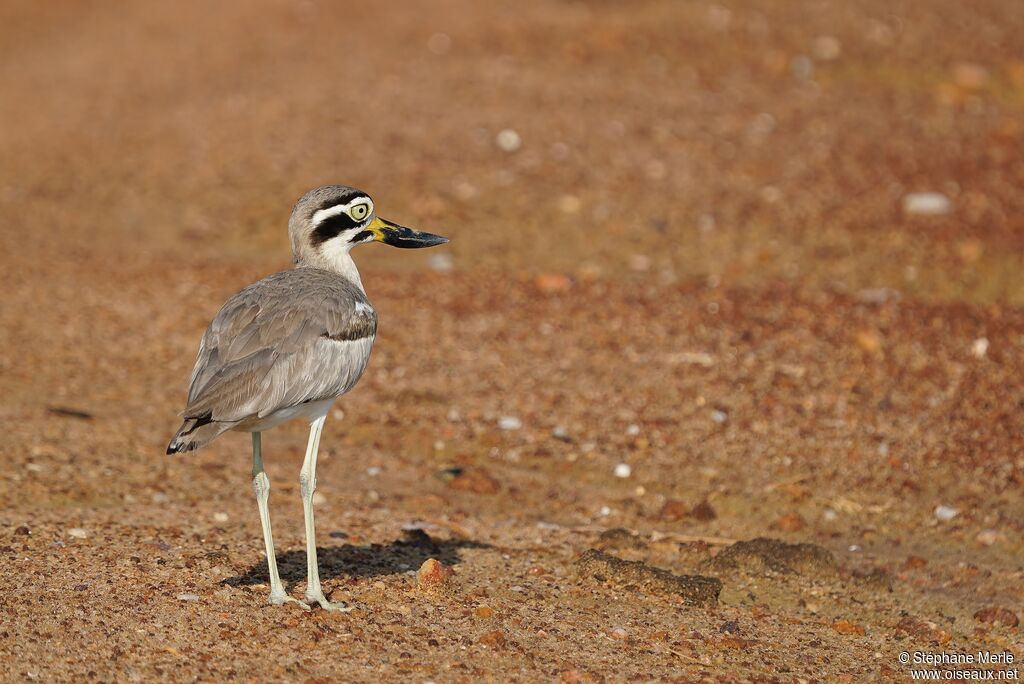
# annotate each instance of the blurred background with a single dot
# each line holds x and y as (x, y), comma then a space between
(717, 269)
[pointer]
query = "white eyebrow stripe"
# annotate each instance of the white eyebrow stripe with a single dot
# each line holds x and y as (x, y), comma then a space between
(324, 214)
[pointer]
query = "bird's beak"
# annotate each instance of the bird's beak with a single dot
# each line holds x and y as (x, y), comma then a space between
(399, 236)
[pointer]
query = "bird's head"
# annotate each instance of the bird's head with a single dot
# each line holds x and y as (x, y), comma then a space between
(328, 222)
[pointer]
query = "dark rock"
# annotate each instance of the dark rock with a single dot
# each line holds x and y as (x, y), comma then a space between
(703, 512)
(763, 555)
(696, 590)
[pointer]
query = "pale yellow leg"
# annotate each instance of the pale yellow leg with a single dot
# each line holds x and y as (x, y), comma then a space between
(307, 483)
(261, 485)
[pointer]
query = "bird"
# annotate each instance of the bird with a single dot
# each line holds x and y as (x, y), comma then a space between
(287, 346)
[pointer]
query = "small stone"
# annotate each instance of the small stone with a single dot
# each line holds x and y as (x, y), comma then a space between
(188, 597)
(970, 76)
(494, 639)
(318, 499)
(829, 515)
(33, 467)
(561, 433)
(633, 430)
(483, 612)
(640, 262)
(220, 517)
(868, 340)
(22, 531)
(997, 616)
(374, 471)
(508, 140)
(922, 630)
(475, 480)
(570, 204)
(915, 563)
(442, 262)
(160, 498)
(791, 522)
(719, 416)
(673, 510)
(945, 513)
(619, 633)
(78, 533)
(979, 348)
(536, 571)
(987, 537)
(848, 627)
(623, 470)
(703, 512)
(509, 423)
(927, 204)
(552, 282)
(433, 575)
(827, 48)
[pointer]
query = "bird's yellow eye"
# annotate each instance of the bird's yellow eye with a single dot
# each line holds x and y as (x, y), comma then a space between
(359, 211)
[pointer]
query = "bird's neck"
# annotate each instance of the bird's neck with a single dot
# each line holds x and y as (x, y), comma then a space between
(334, 260)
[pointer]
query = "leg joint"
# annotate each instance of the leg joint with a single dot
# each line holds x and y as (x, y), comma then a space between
(307, 485)
(261, 485)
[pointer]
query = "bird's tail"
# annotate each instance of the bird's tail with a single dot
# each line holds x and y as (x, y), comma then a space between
(197, 432)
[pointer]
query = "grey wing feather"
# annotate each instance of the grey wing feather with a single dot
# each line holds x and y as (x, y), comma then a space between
(292, 337)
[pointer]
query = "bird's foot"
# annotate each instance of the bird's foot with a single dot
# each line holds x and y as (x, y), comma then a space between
(320, 599)
(282, 598)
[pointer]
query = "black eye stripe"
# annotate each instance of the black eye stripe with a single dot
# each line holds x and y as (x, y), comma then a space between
(361, 235)
(332, 226)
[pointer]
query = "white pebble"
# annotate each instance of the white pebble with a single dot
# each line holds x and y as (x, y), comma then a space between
(854, 548)
(633, 430)
(78, 533)
(623, 470)
(220, 517)
(188, 597)
(374, 471)
(719, 416)
(509, 423)
(560, 432)
(33, 467)
(979, 347)
(829, 515)
(945, 512)
(606, 511)
(508, 140)
(927, 204)
(442, 262)
(640, 262)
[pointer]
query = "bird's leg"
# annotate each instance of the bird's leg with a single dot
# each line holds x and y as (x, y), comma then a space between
(307, 482)
(261, 485)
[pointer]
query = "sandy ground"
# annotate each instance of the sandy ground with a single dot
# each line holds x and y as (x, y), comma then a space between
(691, 258)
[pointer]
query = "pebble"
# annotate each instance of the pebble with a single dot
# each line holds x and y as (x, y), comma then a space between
(561, 433)
(619, 633)
(703, 512)
(188, 597)
(22, 531)
(475, 480)
(987, 537)
(570, 204)
(374, 471)
(848, 627)
(509, 423)
(979, 348)
(33, 467)
(605, 511)
(433, 575)
(927, 204)
(552, 282)
(319, 499)
(77, 533)
(719, 416)
(494, 639)
(442, 262)
(640, 262)
(829, 515)
(945, 513)
(220, 517)
(673, 510)
(623, 470)
(997, 616)
(508, 140)
(633, 430)
(827, 48)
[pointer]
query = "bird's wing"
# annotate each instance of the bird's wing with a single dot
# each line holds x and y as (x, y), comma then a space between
(292, 337)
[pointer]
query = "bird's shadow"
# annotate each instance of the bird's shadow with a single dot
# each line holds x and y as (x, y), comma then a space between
(349, 560)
